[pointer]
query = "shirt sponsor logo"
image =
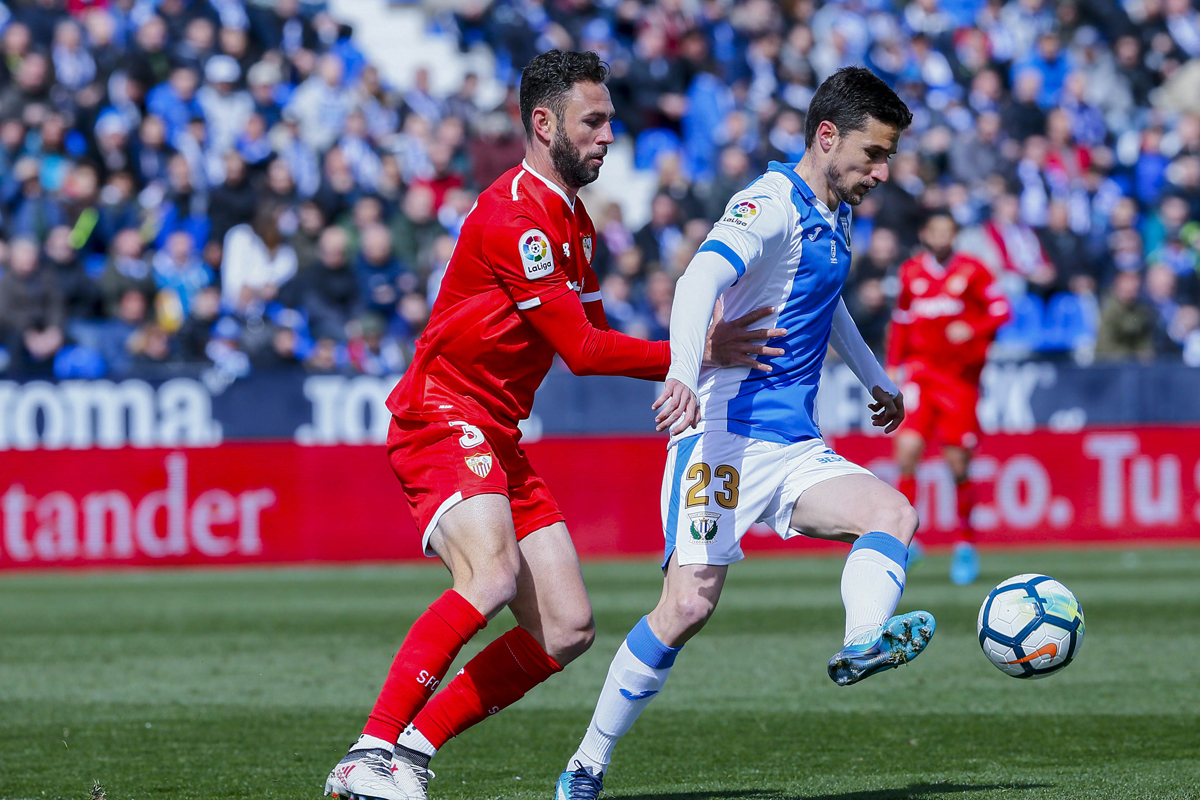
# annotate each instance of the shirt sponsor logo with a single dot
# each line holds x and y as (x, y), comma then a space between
(814, 233)
(934, 307)
(740, 215)
(536, 255)
(480, 464)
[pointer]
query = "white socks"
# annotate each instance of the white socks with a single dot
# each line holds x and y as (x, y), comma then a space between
(872, 583)
(636, 675)
(366, 742)
(414, 740)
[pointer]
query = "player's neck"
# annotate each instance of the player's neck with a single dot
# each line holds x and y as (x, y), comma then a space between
(541, 163)
(814, 176)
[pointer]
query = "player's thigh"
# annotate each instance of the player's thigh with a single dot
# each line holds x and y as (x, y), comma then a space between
(475, 539)
(441, 464)
(551, 601)
(848, 506)
(716, 485)
(958, 419)
(689, 597)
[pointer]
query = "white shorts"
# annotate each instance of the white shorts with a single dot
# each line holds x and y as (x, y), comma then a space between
(717, 484)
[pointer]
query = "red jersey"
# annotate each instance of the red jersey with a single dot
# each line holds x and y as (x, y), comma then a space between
(931, 297)
(519, 287)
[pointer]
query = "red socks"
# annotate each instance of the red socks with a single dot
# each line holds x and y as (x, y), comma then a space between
(966, 502)
(427, 652)
(908, 487)
(496, 678)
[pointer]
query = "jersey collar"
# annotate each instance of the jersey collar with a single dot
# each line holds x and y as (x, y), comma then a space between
(789, 172)
(553, 186)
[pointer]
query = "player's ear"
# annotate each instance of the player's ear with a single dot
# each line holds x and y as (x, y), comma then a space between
(545, 123)
(827, 135)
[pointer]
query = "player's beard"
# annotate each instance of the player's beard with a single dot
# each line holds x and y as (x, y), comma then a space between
(575, 171)
(844, 189)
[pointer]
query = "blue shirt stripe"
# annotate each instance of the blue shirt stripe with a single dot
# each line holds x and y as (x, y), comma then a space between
(725, 251)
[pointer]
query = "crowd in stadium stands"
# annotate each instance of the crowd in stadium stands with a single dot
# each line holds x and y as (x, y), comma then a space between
(233, 183)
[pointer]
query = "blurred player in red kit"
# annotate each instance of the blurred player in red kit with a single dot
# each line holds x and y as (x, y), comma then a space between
(518, 290)
(947, 314)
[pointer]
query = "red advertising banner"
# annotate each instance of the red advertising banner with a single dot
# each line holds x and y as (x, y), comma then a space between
(287, 503)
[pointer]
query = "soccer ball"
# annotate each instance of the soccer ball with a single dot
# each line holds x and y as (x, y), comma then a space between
(1030, 626)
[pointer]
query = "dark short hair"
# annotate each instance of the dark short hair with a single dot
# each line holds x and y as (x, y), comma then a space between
(848, 98)
(550, 77)
(928, 215)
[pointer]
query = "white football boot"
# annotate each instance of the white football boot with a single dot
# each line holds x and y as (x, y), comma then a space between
(412, 778)
(365, 775)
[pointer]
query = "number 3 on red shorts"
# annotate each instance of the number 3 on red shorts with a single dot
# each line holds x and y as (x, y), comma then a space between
(472, 436)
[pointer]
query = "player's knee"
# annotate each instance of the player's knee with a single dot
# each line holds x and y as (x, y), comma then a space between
(691, 610)
(897, 518)
(495, 587)
(568, 640)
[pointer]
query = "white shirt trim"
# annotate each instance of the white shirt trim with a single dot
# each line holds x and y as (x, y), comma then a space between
(591, 297)
(525, 305)
(516, 180)
(554, 186)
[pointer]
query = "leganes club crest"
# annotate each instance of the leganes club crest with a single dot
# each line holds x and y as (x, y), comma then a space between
(480, 464)
(704, 526)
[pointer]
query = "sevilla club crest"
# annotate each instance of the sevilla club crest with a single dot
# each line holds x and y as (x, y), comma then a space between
(587, 249)
(480, 464)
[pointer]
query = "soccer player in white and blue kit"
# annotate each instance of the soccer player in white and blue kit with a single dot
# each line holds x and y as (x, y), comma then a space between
(745, 444)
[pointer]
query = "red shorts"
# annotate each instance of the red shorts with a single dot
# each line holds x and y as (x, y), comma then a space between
(942, 409)
(440, 464)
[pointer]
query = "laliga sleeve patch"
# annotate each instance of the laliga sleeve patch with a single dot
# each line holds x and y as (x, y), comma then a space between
(536, 255)
(742, 214)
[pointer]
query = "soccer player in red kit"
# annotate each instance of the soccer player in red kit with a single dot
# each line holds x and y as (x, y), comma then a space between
(947, 314)
(518, 290)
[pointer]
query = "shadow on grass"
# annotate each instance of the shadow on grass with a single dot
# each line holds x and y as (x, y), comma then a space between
(916, 791)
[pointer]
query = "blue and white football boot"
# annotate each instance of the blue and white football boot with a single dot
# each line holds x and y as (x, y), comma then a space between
(899, 640)
(964, 564)
(580, 783)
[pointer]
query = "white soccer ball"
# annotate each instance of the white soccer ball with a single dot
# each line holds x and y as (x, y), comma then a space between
(1030, 626)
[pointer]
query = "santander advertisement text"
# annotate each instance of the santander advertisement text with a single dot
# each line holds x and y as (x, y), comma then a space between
(282, 502)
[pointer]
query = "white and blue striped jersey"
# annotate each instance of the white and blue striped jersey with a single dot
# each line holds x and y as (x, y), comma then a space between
(792, 252)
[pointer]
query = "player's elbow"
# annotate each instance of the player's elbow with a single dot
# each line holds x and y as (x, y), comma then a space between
(579, 365)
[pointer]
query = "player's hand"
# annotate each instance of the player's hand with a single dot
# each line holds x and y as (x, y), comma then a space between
(959, 331)
(730, 344)
(889, 409)
(677, 402)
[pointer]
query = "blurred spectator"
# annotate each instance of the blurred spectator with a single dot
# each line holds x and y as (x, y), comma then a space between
(659, 238)
(126, 271)
(234, 202)
(330, 292)
(256, 262)
(32, 311)
(415, 229)
(1126, 322)
(321, 104)
(179, 274)
(379, 273)
(371, 351)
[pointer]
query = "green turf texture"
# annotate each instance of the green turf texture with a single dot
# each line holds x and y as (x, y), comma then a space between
(251, 684)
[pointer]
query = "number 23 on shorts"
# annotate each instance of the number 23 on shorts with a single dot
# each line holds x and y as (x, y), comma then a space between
(701, 475)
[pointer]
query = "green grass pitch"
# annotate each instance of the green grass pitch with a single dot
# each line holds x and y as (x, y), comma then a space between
(251, 684)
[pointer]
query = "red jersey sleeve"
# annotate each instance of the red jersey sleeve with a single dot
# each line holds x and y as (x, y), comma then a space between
(593, 304)
(992, 306)
(898, 331)
(588, 350)
(522, 256)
